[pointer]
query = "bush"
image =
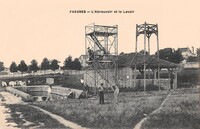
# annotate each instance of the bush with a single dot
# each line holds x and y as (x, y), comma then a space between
(188, 78)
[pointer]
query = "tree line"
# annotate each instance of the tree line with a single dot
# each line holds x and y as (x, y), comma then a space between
(168, 54)
(46, 64)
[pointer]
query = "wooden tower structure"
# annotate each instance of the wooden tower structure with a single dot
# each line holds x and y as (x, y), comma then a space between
(147, 30)
(101, 48)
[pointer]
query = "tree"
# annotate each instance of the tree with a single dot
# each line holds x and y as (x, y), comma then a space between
(177, 57)
(1, 66)
(45, 65)
(122, 53)
(33, 66)
(76, 65)
(54, 64)
(142, 52)
(198, 51)
(165, 54)
(22, 67)
(198, 58)
(170, 54)
(13, 67)
(192, 59)
(68, 63)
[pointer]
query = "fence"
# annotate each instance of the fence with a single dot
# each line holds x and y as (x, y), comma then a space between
(164, 83)
(42, 72)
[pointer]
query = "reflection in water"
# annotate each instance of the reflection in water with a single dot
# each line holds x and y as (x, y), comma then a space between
(38, 95)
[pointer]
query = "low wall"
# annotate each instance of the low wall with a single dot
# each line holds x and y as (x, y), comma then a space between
(23, 95)
(191, 65)
(57, 91)
(164, 83)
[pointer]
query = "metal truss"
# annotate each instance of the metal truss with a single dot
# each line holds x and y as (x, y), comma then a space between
(101, 48)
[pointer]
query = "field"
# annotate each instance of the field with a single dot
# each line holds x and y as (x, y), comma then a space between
(181, 111)
(131, 107)
(26, 116)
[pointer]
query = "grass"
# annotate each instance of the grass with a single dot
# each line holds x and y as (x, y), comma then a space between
(23, 113)
(87, 112)
(181, 111)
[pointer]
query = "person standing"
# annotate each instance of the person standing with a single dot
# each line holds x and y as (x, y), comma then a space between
(171, 82)
(86, 89)
(49, 93)
(101, 94)
(70, 94)
(91, 54)
(116, 93)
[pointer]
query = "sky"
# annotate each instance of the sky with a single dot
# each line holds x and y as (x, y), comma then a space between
(35, 29)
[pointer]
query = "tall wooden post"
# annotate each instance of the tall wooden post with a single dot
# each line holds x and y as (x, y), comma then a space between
(147, 30)
(149, 54)
(175, 79)
(158, 58)
(135, 76)
(135, 69)
(136, 38)
(145, 34)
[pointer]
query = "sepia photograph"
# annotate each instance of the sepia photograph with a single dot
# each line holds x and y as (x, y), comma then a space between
(74, 64)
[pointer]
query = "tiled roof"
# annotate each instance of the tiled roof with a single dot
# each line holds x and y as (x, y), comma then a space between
(186, 49)
(132, 59)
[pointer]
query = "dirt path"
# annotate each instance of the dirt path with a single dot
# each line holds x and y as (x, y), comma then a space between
(11, 99)
(5, 112)
(138, 125)
(60, 119)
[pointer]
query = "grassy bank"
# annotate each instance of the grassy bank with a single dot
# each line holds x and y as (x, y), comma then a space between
(181, 111)
(88, 113)
(28, 117)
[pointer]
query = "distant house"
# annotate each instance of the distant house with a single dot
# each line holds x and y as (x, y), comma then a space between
(190, 59)
(186, 52)
(5, 71)
(191, 62)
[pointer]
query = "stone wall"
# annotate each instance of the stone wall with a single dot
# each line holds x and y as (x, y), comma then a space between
(23, 95)
(164, 83)
(62, 91)
(125, 79)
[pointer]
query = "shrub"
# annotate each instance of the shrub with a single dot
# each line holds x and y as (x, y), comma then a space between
(188, 78)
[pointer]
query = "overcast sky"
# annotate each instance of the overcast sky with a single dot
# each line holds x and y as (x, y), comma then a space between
(34, 29)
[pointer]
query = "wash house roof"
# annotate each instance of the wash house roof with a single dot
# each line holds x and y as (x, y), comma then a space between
(132, 59)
